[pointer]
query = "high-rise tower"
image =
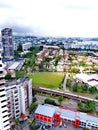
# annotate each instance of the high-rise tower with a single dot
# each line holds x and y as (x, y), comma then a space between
(4, 119)
(8, 47)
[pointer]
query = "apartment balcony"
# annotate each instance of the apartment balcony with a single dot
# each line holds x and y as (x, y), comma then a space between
(16, 104)
(2, 81)
(6, 126)
(5, 113)
(15, 97)
(4, 108)
(1, 75)
(2, 93)
(2, 88)
(3, 99)
(4, 103)
(5, 118)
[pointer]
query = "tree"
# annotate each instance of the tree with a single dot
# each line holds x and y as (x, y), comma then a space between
(50, 101)
(84, 88)
(20, 47)
(60, 99)
(20, 74)
(33, 126)
(8, 76)
(96, 97)
(80, 106)
(81, 63)
(93, 89)
(97, 113)
(75, 88)
(85, 128)
(68, 83)
(75, 70)
(32, 106)
(90, 106)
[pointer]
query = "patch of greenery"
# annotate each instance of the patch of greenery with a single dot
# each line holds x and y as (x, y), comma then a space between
(8, 76)
(89, 106)
(96, 97)
(32, 107)
(50, 101)
(48, 80)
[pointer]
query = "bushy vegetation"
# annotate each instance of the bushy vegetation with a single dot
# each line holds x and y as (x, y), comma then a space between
(33, 126)
(50, 101)
(8, 76)
(85, 129)
(80, 87)
(89, 106)
(96, 97)
(60, 99)
(33, 105)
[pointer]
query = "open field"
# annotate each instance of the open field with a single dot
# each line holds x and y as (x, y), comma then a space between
(49, 80)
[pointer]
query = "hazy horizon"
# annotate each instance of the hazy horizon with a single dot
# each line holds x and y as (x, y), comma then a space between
(51, 18)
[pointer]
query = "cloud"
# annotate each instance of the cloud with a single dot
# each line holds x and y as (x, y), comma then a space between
(50, 17)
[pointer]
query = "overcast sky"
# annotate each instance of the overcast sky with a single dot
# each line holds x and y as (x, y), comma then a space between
(51, 17)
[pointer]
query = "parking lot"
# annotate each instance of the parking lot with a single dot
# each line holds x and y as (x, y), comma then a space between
(69, 127)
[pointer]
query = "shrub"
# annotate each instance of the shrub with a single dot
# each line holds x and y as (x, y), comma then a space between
(50, 101)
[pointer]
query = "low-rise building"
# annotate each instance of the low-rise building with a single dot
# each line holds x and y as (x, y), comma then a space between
(26, 46)
(90, 80)
(53, 114)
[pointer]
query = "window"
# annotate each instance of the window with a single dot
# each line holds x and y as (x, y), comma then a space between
(4, 116)
(3, 101)
(4, 111)
(1, 90)
(3, 106)
(1, 72)
(2, 95)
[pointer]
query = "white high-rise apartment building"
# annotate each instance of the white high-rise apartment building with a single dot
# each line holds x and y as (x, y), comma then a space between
(26, 46)
(19, 95)
(7, 43)
(4, 119)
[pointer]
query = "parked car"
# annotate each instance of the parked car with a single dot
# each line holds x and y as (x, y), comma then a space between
(64, 125)
(54, 124)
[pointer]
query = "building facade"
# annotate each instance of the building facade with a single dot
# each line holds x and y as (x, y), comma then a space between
(7, 43)
(4, 119)
(19, 95)
(53, 114)
(26, 46)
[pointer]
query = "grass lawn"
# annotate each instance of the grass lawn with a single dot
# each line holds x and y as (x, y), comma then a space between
(48, 80)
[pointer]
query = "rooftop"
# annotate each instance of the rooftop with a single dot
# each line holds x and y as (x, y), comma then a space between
(45, 110)
(65, 113)
(91, 79)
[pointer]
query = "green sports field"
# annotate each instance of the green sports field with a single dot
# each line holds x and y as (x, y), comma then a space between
(48, 80)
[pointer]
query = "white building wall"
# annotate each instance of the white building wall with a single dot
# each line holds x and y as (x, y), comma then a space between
(22, 100)
(4, 119)
(30, 91)
(26, 46)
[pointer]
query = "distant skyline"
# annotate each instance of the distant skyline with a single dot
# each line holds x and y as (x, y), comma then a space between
(57, 18)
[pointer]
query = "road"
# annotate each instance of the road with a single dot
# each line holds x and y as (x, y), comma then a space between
(65, 81)
(68, 104)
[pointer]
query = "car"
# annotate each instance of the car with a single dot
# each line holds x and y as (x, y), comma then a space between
(64, 125)
(54, 124)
